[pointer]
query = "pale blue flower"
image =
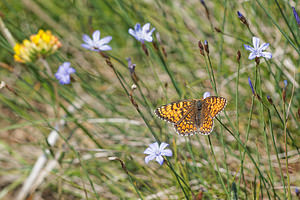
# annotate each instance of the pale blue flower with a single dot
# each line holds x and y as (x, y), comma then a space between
(206, 94)
(142, 33)
(257, 51)
(157, 152)
(63, 73)
(96, 44)
(285, 83)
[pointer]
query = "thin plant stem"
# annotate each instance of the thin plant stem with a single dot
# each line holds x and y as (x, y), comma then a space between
(177, 178)
(287, 23)
(278, 27)
(218, 170)
(276, 150)
(250, 156)
(166, 68)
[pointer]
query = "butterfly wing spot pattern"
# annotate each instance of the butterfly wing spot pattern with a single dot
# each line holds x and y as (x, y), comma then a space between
(192, 116)
(174, 111)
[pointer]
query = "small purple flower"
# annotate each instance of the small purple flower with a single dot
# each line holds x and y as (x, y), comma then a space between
(296, 16)
(63, 73)
(157, 152)
(240, 15)
(96, 44)
(206, 94)
(142, 33)
(250, 83)
(131, 66)
(257, 51)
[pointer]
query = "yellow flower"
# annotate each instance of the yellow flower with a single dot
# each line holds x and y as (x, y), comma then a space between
(41, 44)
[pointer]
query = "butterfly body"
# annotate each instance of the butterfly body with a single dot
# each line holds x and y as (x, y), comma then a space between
(192, 116)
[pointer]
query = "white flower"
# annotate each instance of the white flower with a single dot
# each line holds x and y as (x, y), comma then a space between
(257, 51)
(96, 44)
(157, 152)
(142, 34)
(206, 94)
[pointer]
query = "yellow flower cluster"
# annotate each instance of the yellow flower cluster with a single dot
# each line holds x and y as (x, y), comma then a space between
(41, 44)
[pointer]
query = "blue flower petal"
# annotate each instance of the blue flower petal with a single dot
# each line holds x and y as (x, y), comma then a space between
(154, 146)
(163, 145)
(255, 41)
(267, 55)
(148, 158)
(146, 28)
(96, 35)
(252, 56)
(249, 48)
(264, 46)
(206, 94)
(148, 151)
(160, 160)
(167, 152)
(87, 39)
(104, 40)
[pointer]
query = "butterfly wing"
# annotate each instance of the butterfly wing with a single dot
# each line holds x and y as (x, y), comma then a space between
(173, 112)
(214, 105)
(187, 126)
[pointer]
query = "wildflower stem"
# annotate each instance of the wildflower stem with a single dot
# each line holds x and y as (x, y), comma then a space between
(212, 74)
(218, 170)
(288, 132)
(129, 176)
(264, 131)
(177, 178)
(278, 27)
(248, 153)
(213, 83)
(166, 68)
(287, 23)
(237, 109)
(222, 37)
(49, 71)
(276, 150)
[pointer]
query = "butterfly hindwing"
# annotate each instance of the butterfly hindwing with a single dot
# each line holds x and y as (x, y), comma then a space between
(187, 126)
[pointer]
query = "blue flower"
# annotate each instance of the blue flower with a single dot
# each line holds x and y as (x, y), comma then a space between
(206, 94)
(250, 83)
(142, 34)
(285, 83)
(296, 16)
(257, 51)
(240, 15)
(96, 44)
(157, 152)
(63, 73)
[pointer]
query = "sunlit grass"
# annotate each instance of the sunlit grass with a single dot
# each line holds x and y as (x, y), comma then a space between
(108, 118)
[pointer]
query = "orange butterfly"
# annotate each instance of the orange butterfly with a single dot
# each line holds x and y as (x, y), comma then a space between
(192, 116)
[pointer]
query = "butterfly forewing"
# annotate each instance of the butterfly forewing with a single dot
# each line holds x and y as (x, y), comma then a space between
(215, 105)
(174, 111)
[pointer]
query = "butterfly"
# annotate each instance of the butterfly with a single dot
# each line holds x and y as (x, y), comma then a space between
(192, 116)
